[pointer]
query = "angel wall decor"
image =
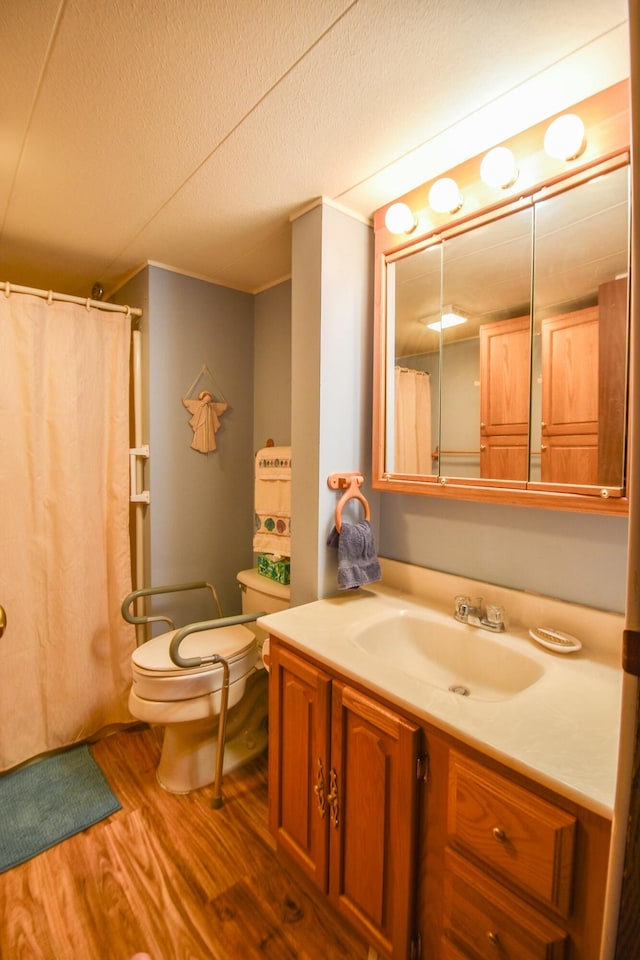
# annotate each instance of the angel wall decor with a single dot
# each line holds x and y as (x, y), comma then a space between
(205, 415)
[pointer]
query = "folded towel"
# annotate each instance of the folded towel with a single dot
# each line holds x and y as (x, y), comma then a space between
(272, 532)
(357, 560)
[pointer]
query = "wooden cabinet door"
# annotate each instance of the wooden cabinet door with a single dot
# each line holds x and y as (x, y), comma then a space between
(374, 790)
(299, 719)
(504, 458)
(570, 398)
(504, 399)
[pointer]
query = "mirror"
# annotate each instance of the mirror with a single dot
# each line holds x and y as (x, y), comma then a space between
(506, 348)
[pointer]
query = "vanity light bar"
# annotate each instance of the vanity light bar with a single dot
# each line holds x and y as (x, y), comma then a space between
(564, 140)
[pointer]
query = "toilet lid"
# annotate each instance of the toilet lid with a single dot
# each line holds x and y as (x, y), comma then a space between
(232, 643)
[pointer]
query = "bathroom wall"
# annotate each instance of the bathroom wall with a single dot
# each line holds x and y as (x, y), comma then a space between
(201, 514)
(272, 366)
(200, 519)
(332, 309)
(571, 556)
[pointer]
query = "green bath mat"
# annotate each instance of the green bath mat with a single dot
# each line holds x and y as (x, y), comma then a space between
(50, 800)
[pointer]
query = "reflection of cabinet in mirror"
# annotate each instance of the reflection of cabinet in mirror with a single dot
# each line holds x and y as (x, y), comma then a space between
(504, 399)
(583, 391)
(570, 398)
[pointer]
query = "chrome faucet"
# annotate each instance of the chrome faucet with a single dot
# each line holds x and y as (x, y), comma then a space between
(474, 613)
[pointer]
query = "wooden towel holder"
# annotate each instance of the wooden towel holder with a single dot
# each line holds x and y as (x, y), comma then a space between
(350, 483)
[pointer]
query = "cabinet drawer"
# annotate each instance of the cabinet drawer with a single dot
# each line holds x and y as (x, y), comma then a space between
(515, 834)
(492, 923)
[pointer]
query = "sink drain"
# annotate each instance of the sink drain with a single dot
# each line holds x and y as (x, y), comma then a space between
(458, 688)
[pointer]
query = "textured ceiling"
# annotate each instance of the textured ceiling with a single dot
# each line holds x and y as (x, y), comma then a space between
(188, 132)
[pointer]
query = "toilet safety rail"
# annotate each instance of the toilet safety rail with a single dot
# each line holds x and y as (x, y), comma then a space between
(190, 662)
(132, 598)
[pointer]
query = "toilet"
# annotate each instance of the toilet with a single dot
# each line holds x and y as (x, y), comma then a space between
(187, 701)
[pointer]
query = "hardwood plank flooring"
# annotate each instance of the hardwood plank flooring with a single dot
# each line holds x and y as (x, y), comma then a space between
(170, 876)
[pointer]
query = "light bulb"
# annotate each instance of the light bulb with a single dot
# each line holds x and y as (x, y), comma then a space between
(399, 218)
(445, 196)
(564, 139)
(498, 168)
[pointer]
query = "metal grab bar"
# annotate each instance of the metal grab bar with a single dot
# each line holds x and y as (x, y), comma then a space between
(170, 588)
(198, 628)
(216, 800)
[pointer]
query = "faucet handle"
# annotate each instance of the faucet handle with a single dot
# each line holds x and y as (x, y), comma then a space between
(495, 615)
(462, 606)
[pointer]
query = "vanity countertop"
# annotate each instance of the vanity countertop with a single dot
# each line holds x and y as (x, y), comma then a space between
(562, 731)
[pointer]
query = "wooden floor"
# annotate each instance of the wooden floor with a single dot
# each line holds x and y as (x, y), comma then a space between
(169, 876)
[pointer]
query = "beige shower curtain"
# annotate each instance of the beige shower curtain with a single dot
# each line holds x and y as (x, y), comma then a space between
(412, 422)
(64, 523)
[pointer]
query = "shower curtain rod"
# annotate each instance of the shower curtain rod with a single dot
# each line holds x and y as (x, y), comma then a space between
(10, 288)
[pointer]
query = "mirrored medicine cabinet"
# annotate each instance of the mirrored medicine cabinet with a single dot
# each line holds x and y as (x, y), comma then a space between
(502, 339)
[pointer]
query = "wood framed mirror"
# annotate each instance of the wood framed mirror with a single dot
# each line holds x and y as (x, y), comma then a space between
(501, 345)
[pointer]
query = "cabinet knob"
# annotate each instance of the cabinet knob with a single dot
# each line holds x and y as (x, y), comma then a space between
(493, 938)
(499, 834)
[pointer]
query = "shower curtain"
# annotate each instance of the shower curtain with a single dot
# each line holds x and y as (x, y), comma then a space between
(412, 421)
(64, 523)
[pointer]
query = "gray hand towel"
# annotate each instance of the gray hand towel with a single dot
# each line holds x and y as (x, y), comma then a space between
(357, 560)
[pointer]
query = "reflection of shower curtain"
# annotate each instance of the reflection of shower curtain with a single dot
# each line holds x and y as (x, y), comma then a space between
(412, 421)
(64, 523)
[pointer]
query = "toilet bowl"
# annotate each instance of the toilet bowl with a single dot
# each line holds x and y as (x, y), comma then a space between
(186, 701)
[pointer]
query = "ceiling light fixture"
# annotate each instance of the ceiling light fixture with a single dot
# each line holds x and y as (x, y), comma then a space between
(400, 219)
(450, 317)
(445, 196)
(564, 139)
(499, 168)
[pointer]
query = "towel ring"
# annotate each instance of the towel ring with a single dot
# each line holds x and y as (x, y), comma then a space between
(351, 482)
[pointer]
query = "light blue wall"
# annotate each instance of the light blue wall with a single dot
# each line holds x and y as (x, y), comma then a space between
(571, 556)
(200, 519)
(272, 366)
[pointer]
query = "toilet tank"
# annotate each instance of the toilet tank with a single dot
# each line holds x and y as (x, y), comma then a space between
(260, 594)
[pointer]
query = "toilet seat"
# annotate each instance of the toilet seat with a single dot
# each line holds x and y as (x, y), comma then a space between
(156, 677)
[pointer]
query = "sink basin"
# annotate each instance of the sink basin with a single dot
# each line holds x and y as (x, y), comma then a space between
(462, 659)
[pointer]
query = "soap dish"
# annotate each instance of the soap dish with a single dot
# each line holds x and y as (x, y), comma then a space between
(555, 640)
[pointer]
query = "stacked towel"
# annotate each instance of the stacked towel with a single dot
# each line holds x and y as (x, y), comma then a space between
(357, 560)
(273, 501)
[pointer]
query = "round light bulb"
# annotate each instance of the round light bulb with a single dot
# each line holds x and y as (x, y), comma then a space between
(399, 218)
(498, 168)
(445, 196)
(564, 139)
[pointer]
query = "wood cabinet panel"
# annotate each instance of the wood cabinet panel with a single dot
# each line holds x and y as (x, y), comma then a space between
(299, 697)
(504, 458)
(504, 380)
(570, 373)
(343, 796)
(372, 849)
(570, 459)
(520, 836)
(486, 919)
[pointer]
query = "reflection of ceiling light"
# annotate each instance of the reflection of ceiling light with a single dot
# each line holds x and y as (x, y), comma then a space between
(498, 168)
(400, 219)
(450, 317)
(564, 139)
(445, 196)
